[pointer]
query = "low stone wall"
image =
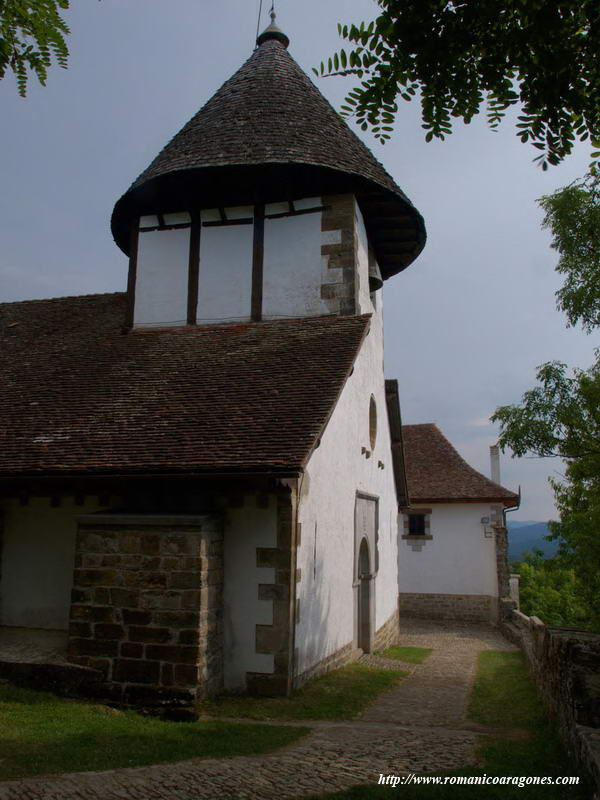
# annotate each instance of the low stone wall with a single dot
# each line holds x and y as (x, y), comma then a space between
(565, 664)
(147, 606)
(475, 608)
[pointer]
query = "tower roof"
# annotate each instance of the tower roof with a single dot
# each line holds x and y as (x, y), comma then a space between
(266, 135)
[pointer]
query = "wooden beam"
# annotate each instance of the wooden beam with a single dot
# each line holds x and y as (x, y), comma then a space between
(132, 275)
(194, 267)
(258, 252)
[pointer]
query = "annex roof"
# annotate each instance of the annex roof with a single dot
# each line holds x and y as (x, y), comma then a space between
(81, 397)
(268, 134)
(436, 473)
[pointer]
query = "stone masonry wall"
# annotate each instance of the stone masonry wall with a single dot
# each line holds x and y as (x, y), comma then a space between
(147, 606)
(476, 608)
(565, 664)
(276, 639)
(338, 253)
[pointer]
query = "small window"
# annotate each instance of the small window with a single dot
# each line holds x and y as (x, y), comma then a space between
(416, 524)
(372, 422)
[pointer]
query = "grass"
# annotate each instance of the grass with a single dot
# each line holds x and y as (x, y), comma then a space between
(341, 694)
(410, 655)
(41, 734)
(503, 697)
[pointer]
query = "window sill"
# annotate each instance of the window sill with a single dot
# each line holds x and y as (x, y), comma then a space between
(416, 537)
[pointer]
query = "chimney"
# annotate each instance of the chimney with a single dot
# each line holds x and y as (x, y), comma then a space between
(495, 463)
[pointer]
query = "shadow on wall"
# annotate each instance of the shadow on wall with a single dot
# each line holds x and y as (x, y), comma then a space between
(314, 637)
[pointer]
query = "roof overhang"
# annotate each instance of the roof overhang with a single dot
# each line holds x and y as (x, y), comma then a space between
(395, 228)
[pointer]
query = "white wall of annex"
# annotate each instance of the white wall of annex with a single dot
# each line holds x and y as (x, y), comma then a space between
(459, 559)
(38, 561)
(161, 286)
(225, 274)
(292, 272)
(246, 528)
(336, 471)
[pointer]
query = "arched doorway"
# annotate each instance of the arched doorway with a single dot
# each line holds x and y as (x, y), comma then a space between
(365, 637)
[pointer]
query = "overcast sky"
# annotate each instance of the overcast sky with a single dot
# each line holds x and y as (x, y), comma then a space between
(466, 324)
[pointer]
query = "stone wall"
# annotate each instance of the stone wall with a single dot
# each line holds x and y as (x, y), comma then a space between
(502, 566)
(565, 664)
(147, 606)
(338, 254)
(476, 608)
(276, 639)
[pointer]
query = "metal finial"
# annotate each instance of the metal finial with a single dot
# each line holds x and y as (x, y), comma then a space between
(273, 31)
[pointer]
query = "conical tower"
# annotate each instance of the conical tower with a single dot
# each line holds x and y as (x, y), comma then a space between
(263, 146)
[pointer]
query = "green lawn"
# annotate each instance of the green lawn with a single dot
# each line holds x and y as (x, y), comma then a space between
(410, 655)
(341, 694)
(503, 697)
(41, 734)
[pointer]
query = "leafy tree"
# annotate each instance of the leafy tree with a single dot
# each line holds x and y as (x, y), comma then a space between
(550, 590)
(573, 216)
(460, 55)
(32, 36)
(561, 415)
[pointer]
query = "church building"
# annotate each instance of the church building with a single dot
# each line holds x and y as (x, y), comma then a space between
(201, 478)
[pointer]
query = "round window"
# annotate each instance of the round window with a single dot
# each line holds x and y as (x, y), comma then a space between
(372, 422)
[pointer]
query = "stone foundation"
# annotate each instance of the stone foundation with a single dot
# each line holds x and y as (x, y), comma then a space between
(345, 655)
(476, 608)
(387, 635)
(147, 606)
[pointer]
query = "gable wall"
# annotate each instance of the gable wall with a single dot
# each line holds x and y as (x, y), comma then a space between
(335, 473)
(458, 560)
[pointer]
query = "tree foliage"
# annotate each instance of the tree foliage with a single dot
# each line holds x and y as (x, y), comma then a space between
(550, 590)
(32, 37)
(561, 415)
(461, 55)
(573, 216)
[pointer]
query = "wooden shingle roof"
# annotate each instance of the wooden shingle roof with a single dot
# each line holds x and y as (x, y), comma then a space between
(268, 134)
(80, 397)
(436, 473)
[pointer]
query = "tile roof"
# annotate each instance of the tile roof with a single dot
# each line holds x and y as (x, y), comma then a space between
(270, 113)
(437, 473)
(80, 396)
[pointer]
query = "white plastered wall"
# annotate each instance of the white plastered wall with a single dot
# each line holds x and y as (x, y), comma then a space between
(246, 528)
(362, 264)
(458, 559)
(337, 470)
(161, 286)
(293, 267)
(225, 274)
(38, 561)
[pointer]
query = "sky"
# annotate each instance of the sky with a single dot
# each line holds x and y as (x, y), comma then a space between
(466, 324)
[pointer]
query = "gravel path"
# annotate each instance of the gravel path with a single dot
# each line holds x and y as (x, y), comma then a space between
(417, 727)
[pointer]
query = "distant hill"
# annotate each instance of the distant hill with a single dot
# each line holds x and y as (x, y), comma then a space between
(524, 536)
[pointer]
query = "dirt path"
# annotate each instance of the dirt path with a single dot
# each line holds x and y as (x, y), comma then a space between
(417, 727)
